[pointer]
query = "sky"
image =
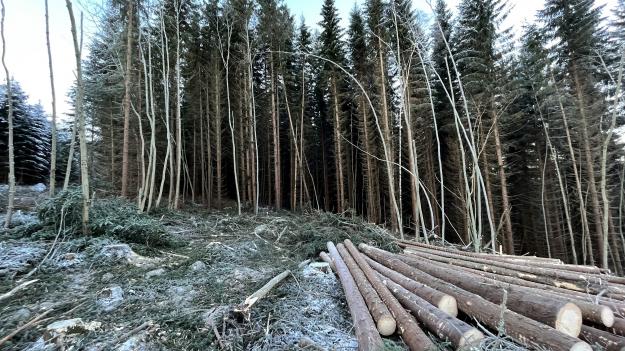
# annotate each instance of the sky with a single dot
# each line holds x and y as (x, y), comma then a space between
(27, 57)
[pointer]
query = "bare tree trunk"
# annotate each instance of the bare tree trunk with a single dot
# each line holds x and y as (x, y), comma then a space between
(84, 171)
(386, 128)
(578, 184)
(127, 78)
(53, 132)
(11, 197)
(218, 150)
(505, 201)
(276, 136)
(588, 155)
(604, 158)
(178, 117)
(338, 150)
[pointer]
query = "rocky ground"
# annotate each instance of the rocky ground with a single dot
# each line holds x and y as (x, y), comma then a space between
(96, 293)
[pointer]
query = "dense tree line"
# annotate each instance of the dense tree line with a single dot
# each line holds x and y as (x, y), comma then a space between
(456, 128)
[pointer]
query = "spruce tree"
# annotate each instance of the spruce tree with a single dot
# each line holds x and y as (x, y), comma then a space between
(332, 50)
(478, 40)
(575, 26)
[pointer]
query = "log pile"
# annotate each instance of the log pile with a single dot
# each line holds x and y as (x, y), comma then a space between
(454, 295)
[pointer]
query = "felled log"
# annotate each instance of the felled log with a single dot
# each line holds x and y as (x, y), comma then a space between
(534, 270)
(410, 331)
(601, 315)
(589, 311)
(509, 258)
(381, 315)
(446, 327)
(618, 327)
(444, 302)
(558, 313)
(606, 340)
(366, 333)
(524, 330)
(510, 270)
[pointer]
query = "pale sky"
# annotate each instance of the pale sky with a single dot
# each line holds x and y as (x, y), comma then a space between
(27, 58)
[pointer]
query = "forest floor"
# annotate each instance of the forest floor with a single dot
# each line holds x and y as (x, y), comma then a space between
(96, 293)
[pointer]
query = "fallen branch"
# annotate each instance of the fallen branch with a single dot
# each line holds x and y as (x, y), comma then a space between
(245, 307)
(13, 291)
(31, 323)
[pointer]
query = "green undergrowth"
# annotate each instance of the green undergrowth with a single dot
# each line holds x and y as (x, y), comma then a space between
(112, 217)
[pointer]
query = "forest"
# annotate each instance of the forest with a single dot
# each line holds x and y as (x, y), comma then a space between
(452, 127)
(245, 141)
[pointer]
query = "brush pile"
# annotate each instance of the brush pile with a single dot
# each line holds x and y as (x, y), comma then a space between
(458, 296)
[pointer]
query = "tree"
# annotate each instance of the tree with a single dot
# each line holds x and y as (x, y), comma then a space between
(84, 170)
(575, 26)
(478, 40)
(11, 197)
(127, 86)
(52, 180)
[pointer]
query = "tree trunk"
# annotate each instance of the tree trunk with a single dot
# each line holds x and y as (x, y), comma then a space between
(505, 202)
(11, 195)
(444, 326)
(338, 149)
(84, 171)
(384, 320)
(53, 124)
(411, 333)
(442, 301)
(364, 326)
(127, 78)
(526, 331)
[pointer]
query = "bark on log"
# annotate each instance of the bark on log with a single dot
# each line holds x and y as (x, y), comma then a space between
(525, 260)
(444, 302)
(558, 313)
(589, 311)
(446, 327)
(510, 270)
(364, 327)
(536, 270)
(410, 331)
(381, 315)
(615, 306)
(526, 331)
(513, 258)
(607, 341)
(618, 327)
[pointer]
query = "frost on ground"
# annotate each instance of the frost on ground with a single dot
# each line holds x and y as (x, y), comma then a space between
(109, 295)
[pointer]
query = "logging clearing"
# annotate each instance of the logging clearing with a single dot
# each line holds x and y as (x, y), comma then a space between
(269, 175)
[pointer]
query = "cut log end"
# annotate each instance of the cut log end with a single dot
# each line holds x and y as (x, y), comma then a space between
(448, 304)
(607, 316)
(386, 325)
(581, 346)
(471, 337)
(569, 320)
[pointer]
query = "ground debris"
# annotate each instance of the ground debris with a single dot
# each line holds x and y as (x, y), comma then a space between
(190, 301)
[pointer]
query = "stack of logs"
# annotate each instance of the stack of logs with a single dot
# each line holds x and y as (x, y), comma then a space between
(540, 303)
